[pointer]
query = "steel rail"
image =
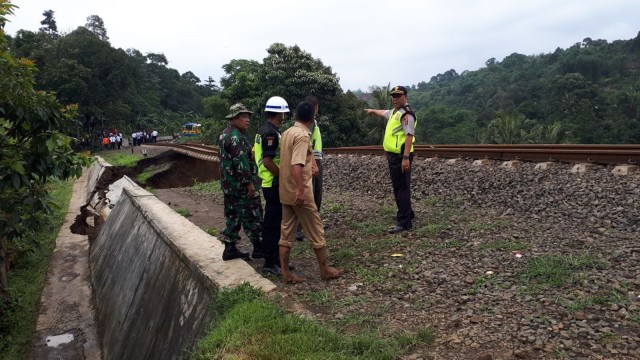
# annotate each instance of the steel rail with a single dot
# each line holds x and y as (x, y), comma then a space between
(204, 151)
(571, 153)
(578, 153)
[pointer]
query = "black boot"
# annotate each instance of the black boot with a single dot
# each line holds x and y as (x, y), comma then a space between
(257, 250)
(231, 252)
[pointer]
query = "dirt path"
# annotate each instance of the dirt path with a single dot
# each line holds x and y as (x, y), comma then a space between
(66, 326)
(207, 212)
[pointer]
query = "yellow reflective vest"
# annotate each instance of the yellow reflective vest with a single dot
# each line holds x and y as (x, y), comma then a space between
(264, 173)
(394, 136)
(316, 141)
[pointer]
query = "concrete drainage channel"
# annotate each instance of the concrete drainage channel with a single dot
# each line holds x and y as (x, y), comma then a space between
(153, 272)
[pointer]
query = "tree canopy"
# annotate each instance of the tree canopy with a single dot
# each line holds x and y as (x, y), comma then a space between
(587, 93)
(33, 149)
(292, 73)
(112, 87)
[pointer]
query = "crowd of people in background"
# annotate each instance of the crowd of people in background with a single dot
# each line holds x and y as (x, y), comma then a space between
(112, 139)
(141, 137)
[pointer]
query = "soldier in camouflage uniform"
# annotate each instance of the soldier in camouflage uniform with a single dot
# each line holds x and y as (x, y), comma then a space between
(240, 184)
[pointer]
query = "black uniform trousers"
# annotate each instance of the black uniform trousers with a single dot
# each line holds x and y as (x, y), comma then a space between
(401, 182)
(271, 224)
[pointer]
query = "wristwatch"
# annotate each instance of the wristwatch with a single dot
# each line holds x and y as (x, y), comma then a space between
(405, 157)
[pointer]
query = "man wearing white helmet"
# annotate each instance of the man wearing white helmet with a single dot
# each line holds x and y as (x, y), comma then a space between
(267, 156)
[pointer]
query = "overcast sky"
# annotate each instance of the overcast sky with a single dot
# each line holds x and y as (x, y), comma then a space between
(365, 42)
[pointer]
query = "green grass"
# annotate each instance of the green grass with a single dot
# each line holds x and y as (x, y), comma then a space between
(351, 301)
(343, 254)
(184, 212)
(387, 210)
(558, 270)
(579, 305)
(320, 298)
(424, 336)
(450, 244)
(249, 326)
(613, 297)
(432, 229)
(358, 322)
(121, 159)
(372, 275)
(432, 200)
(206, 188)
(380, 246)
(150, 171)
(489, 225)
(333, 208)
(423, 304)
(27, 279)
(368, 228)
(483, 282)
(504, 245)
(607, 338)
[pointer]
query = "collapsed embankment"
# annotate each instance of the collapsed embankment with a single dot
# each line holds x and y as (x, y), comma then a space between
(154, 272)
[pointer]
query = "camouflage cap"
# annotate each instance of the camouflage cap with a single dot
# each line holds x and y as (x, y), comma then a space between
(237, 109)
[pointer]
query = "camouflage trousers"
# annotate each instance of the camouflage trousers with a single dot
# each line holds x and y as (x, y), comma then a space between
(245, 212)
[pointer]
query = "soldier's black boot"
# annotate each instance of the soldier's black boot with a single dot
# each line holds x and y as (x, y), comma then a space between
(231, 252)
(257, 250)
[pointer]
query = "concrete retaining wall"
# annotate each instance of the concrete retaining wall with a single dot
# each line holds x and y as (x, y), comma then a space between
(154, 275)
(95, 172)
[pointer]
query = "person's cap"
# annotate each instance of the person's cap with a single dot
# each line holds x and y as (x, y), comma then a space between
(398, 90)
(237, 109)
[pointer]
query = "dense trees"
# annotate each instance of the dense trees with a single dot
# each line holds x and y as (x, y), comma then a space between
(33, 149)
(584, 94)
(112, 87)
(292, 73)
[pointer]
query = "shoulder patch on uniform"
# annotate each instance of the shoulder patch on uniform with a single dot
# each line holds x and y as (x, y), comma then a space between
(270, 139)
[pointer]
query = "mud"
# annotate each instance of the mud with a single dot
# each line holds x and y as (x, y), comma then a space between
(177, 170)
(171, 170)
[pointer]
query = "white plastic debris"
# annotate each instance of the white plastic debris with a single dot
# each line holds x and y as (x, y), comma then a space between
(54, 341)
(354, 287)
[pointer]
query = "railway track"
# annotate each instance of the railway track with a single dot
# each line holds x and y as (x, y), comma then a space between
(199, 151)
(570, 153)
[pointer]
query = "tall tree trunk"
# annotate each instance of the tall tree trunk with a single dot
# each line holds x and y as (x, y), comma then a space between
(4, 269)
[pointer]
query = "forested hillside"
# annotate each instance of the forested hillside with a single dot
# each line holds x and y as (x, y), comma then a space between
(128, 90)
(113, 87)
(588, 93)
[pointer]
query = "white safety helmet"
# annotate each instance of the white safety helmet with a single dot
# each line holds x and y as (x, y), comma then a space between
(277, 104)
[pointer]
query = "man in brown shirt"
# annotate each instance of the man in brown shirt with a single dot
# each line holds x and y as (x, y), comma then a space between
(296, 196)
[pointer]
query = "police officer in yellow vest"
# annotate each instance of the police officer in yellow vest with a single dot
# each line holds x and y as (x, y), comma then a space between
(398, 143)
(267, 155)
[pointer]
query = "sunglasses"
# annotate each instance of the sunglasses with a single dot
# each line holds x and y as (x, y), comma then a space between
(396, 96)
